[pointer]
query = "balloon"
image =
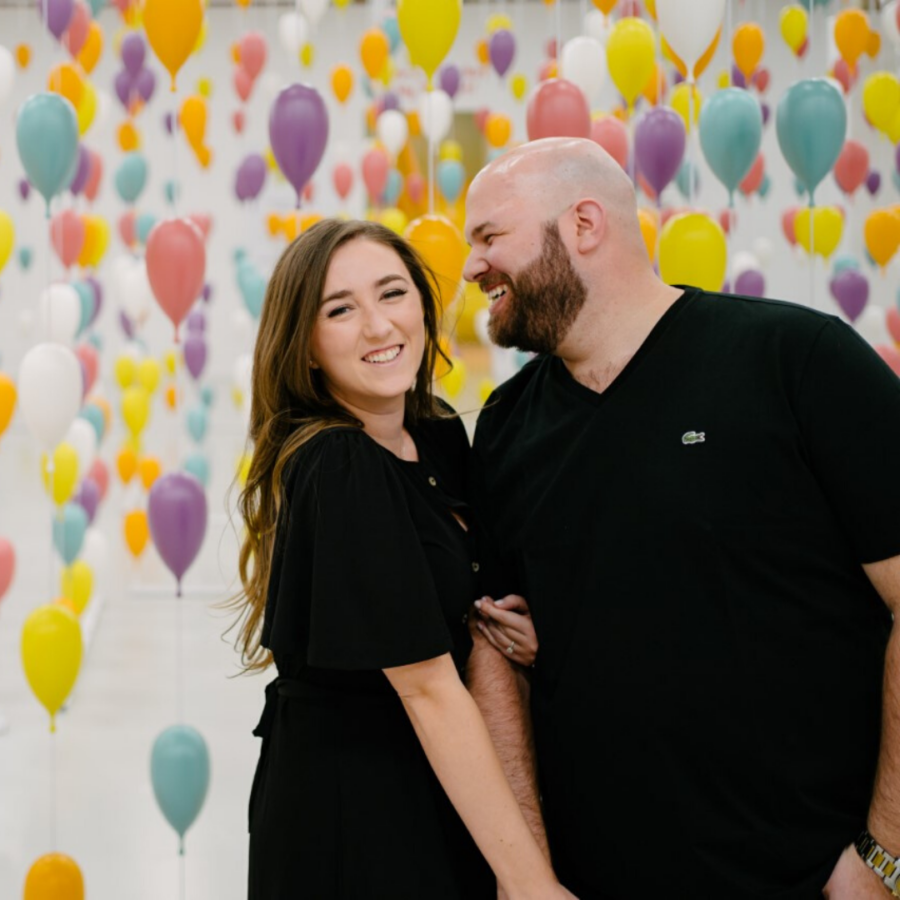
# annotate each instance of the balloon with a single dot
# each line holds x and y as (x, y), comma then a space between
(93, 415)
(176, 262)
(497, 130)
(343, 180)
(851, 290)
(873, 182)
(630, 54)
(687, 101)
(659, 141)
(428, 28)
(852, 166)
(730, 135)
(56, 14)
(149, 469)
(648, 231)
(689, 26)
(69, 526)
(298, 133)
(137, 532)
(811, 122)
(177, 514)
(82, 438)
(794, 22)
(253, 53)
(126, 464)
(851, 34)
(133, 52)
(342, 82)
(179, 770)
(77, 583)
(54, 876)
(135, 409)
(131, 177)
(7, 565)
(392, 130)
(753, 180)
(197, 423)
(198, 465)
(375, 168)
(195, 355)
(192, 119)
(827, 225)
(443, 249)
(518, 85)
(7, 238)
(253, 288)
(373, 51)
(250, 177)
(558, 108)
(95, 173)
(7, 401)
(502, 50)
(47, 139)
(881, 99)
(612, 136)
(583, 62)
(451, 178)
(748, 45)
(51, 655)
(449, 79)
(882, 234)
(60, 313)
(435, 115)
(692, 250)
(173, 27)
(49, 392)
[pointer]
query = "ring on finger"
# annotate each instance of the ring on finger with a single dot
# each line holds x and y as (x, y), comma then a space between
(511, 648)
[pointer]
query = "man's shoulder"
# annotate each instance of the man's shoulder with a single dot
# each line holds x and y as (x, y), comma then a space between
(504, 397)
(762, 311)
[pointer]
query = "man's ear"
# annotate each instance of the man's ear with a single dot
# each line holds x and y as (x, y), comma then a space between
(590, 225)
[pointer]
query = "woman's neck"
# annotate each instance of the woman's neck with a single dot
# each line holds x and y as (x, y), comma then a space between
(385, 426)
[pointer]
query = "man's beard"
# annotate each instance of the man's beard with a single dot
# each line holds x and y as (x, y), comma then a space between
(547, 296)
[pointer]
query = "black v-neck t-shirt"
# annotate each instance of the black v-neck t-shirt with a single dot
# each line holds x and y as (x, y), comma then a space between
(707, 693)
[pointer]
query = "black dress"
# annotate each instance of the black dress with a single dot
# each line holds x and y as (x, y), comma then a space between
(370, 570)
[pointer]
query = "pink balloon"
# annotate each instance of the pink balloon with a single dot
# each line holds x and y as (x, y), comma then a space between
(203, 221)
(890, 355)
(237, 121)
(7, 565)
(375, 168)
(99, 474)
(87, 354)
(243, 83)
(852, 167)
(727, 218)
(753, 179)
(67, 234)
(309, 192)
(547, 70)
(77, 32)
(787, 225)
(480, 117)
(612, 136)
(176, 264)
(845, 75)
(95, 173)
(415, 187)
(558, 108)
(127, 228)
(252, 48)
(343, 180)
(893, 324)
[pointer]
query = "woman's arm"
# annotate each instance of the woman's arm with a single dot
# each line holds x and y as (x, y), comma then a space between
(459, 748)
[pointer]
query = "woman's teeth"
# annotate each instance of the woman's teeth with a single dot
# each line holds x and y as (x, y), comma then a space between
(383, 356)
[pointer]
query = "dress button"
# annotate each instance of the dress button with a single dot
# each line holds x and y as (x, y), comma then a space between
(475, 567)
(432, 480)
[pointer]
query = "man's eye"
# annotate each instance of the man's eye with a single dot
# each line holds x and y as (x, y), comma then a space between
(488, 238)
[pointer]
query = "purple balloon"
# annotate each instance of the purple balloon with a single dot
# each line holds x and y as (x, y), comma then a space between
(133, 52)
(390, 101)
(851, 290)
(97, 288)
(196, 322)
(250, 177)
(737, 77)
(145, 84)
(766, 111)
(176, 509)
(298, 133)
(449, 79)
(125, 87)
(206, 293)
(56, 14)
(195, 354)
(750, 283)
(82, 170)
(88, 498)
(677, 78)
(126, 324)
(659, 146)
(24, 188)
(726, 287)
(502, 49)
(873, 181)
(169, 123)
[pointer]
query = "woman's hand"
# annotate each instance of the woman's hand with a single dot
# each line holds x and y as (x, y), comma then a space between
(507, 624)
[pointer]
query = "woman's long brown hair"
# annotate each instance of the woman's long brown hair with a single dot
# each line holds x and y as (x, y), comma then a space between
(290, 403)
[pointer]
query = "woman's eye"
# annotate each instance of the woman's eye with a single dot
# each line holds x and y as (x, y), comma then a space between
(337, 311)
(397, 292)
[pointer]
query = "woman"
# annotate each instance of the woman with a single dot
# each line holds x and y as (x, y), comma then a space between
(358, 575)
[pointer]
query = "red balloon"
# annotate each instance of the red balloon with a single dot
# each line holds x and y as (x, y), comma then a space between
(67, 234)
(176, 264)
(252, 49)
(890, 355)
(343, 180)
(77, 31)
(99, 474)
(550, 48)
(309, 192)
(787, 225)
(558, 108)
(375, 168)
(95, 173)
(761, 78)
(727, 218)
(481, 117)
(754, 178)
(415, 187)
(91, 362)
(852, 167)
(237, 120)
(612, 136)
(203, 221)
(243, 82)
(127, 228)
(893, 324)
(845, 75)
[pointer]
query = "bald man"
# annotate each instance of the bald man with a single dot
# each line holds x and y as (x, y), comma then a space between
(697, 495)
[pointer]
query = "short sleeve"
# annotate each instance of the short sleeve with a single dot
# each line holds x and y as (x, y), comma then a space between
(353, 563)
(849, 414)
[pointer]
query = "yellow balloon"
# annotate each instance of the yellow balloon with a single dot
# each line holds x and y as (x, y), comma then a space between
(454, 380)
(341, 4)
(486, 387)
(518, 84)
(882, 232)
(7, 238)
(681, 101)
(428, 28)
(342, 82)
(77, 584)
(61, 483)
(243, 468)
(881, 99)
(201, 38)
(630, 54)
(827, 229)
(96, 240)
(135, 409)
(307, 54)
(395, 219)
(173, 29)
(87, 109)
(893, 130)
(51, 655)
(499, 21)
(450, 150)
(137, 531)
(649, 231)
(125, 370)
(148, 374)
(193, 120)
(497, 129)
(442, 247)
(693, 250)
(374, 49)
(386, 75)
(92, 47)
(8, 395)
(170, 361)
(794, 24)
(54, 876)
(204, 87)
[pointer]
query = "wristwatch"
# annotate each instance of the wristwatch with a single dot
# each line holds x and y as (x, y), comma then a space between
(885, 866)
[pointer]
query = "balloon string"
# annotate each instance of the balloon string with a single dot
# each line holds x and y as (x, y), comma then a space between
(730, 41)
(53, 829)
(179, 660)
(54, 514)
(558, 30)
(431, 150)
(181, 868)
(812, 253)
(692, 150)
(174, 195)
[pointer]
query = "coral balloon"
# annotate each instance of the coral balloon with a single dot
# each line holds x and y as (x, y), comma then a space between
(176, 264)
(612, 136)
(253, 53)
(852, 167)
(173, 27)
(343, 180)
(558, 108)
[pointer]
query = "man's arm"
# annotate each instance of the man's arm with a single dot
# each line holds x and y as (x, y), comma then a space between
(852, 879)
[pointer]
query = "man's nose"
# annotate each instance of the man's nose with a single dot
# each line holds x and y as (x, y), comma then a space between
(475, 266)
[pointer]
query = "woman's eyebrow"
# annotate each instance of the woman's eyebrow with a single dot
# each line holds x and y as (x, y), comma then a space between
(346, 292)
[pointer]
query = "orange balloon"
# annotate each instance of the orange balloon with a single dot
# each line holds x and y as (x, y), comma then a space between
(747, 45)
(702, 63)
(149, 469)
(105, 408)
(497, 129)
(55, 876)
(882, 233)
(441, 245)
(65, 79)
(243, 3)
(651, 8)
(137, 531)
(851, 34)
(483, 52)
(342, 82)
(128, 136)
(126, 464)
(236, 53)
(648, 230)
(873, 47)
(92, 47)
(23, 55)
(68, 603)
(173, 28)
(193, 120)
(204, 156)
(309, 220)
(605, 6)
(374, 49)
(171, 396)
(656, 85)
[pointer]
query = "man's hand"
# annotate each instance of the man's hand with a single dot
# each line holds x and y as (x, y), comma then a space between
(507, 624)
(852, 879)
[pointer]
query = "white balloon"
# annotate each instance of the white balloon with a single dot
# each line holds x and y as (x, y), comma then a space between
(313, 10)
(392, 130)
(293, 31)
(132, 287)
(50, 392)
(435, 115)
(95, 552)
(872, 325)
(60, 310)
(7, 73)
(597, 26)
(689, 26)
(583, 62)
(889, 25)
(763, 249)
(743, 262)
(83, 438)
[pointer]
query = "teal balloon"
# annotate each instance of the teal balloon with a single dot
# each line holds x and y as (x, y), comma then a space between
(207, 396)
(730, 135)
(95, 341)
(197, 422)
(93, 414)
(252, 286)
(239, 255)
(25, 258)
(143, 225)
(495, 153)
(69, 526)
(895, 177)
(808, 4)
(47, 138)
(811, 122)
(844, 262)
(870, 259)
(198, 466)
(172, 191)
(391, 193)
(88, 300)
(179, 771)
(799, 187)
(391, 27)
(96, 6)
(131, 177)
(765, 185)
(451, 178)
(683, 179)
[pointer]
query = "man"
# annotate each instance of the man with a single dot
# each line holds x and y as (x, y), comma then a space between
(696, 495)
